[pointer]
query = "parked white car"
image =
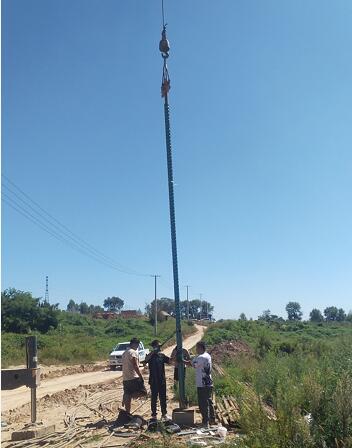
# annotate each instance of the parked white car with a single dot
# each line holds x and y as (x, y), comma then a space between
(115, 357)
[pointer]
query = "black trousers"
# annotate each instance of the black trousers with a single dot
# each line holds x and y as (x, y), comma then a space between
(158, 390)
(205, 403)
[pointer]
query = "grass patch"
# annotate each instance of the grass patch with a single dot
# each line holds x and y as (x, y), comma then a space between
(82, 339)
(297, 369)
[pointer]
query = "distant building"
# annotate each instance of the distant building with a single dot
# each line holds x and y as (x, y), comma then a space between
(163, 315)
(128, 314)
(106, 315)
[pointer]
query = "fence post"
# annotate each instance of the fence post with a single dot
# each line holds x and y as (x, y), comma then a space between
(32, 363)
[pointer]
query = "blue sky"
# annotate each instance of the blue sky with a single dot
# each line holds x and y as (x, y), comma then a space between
(261, 126)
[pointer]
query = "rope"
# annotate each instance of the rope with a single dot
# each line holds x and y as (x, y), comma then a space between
(162, 12)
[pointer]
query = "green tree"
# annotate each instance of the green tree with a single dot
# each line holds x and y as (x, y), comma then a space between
(243, 316)
(113, 303)
(95, 309)
(47, 317)
(293, 310)
(341, 315)
(315, 315)
(266, 316)
(195, 306)
(72, 307)
(163, 304)
(331, 313)
(206, 309)
(197, 309)
(83, 308)
(23, 313)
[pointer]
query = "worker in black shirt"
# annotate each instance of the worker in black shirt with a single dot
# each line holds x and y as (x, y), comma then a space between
(156, 362)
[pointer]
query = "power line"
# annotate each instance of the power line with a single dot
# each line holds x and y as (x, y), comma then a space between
(59, 230)
(66, 229)
(46, 229)
(42, 219)
(42, 225)
(61, 227)
(35, 213)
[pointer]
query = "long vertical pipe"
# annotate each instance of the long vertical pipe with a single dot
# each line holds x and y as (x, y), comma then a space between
(156, 309)
(181, 367)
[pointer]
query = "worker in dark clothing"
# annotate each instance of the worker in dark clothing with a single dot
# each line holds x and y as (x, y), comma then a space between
(156, 362)
(186, 357)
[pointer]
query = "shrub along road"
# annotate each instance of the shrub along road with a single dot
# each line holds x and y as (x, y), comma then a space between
(18, 397)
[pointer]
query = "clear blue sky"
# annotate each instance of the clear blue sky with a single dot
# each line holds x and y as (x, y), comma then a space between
(262, 135)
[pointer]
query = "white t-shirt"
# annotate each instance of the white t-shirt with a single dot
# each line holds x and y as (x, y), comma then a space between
(128, 372)
(202, 364)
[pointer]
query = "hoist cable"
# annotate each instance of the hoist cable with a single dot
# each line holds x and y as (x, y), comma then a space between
(162, 12)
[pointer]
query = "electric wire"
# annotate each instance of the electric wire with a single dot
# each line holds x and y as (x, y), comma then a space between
(48, 222)
(63, 228)
(40, 223)
(162, 12)
(74, 241)
(21, 210)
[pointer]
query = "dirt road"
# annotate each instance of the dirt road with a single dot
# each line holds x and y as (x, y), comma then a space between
(18, 397)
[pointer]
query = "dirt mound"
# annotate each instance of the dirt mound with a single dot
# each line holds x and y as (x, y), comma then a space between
(224, 351)
(71, 370)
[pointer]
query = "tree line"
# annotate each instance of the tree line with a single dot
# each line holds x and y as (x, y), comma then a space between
(23, 313)
(111, 304)
(294, 313)
(192, 309)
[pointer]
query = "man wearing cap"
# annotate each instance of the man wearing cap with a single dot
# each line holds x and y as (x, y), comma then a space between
(133, 383)
(156, 362)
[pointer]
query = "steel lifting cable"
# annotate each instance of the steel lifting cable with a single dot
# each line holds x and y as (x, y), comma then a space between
(162, 12)
(164, 47)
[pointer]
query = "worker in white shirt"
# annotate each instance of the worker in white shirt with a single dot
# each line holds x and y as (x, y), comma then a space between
(204, 383)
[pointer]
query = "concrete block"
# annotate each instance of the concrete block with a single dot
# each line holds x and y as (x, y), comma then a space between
(183, 417)
(32, 432)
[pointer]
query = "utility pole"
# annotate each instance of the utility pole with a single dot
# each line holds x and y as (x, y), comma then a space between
(187, 286)
(46, 299)
(155, 306)
(164, 48)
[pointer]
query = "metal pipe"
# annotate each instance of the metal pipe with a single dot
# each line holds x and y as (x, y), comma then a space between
(181, 367)
(156, 308)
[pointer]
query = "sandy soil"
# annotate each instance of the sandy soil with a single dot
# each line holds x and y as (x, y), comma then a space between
(54, 371)
(73, 385)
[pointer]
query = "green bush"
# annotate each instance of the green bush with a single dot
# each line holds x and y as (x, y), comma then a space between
(22, 313)
(299, 369)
